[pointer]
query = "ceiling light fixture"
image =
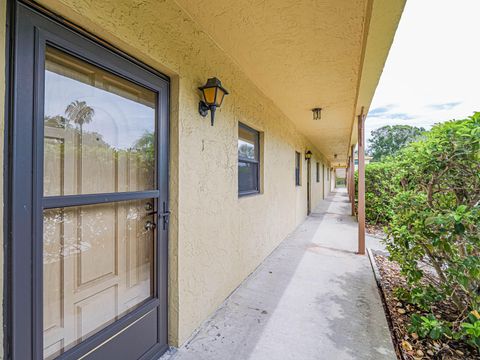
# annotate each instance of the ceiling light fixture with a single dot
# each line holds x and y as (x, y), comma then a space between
(317, 113)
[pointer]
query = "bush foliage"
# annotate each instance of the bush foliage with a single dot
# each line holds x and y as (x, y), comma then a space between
(428, 196)
(380, 190)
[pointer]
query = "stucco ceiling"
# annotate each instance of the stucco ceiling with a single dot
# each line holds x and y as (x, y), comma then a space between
(302, 54)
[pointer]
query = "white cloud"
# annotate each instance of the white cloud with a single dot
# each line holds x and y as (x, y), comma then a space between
(433, 69)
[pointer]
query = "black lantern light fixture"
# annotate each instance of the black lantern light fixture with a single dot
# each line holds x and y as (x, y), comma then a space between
(317, 113)
(308, 155)
(213, 94)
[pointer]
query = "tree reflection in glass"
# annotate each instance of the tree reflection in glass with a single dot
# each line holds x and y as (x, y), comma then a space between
(99, 130)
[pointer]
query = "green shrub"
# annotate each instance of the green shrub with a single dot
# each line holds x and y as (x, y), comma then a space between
(379, 191)
(434, 220)
(470, 330)
(428, 326)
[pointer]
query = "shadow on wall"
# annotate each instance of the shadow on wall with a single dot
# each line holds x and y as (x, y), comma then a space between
(235, 329)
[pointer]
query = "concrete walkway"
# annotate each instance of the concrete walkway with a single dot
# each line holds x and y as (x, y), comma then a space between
(312, 298)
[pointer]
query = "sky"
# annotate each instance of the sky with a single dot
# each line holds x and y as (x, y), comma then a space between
(120, 121)
(432, 73)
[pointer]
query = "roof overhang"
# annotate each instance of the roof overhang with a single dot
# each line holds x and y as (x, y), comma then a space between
(384, 17)
(304, 54)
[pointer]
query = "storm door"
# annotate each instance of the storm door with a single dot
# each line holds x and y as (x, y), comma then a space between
(91, 189)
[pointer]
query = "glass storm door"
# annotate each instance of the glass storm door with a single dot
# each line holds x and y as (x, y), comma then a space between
(98, 186)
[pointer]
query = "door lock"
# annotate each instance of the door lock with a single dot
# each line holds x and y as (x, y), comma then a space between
(148, 206)
(150, 225)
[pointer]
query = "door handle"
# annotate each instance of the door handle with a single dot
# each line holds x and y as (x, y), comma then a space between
(165, 215)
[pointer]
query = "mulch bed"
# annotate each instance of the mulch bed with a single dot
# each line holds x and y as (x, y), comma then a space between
(409, 346)
(375, 231)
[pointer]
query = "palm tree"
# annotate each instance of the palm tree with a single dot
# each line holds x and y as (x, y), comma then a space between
(79, 113)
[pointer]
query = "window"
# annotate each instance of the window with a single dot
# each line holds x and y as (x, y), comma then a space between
(248, 160)
(318, 172)
(297, 168)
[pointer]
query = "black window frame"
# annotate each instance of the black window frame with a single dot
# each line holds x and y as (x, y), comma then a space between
(318, 172)
(298, 161)
(251, 162)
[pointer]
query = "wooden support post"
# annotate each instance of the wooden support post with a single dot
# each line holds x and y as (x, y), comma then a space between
(347, 180)
(333, 178)
(361, 184)
(351, 178)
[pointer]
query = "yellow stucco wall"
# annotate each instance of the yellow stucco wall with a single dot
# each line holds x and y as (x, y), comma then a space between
(216, 239)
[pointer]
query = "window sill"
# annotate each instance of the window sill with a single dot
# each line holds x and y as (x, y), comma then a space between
(248, 194)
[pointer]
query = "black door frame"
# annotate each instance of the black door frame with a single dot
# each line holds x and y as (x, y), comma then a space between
(23, 189)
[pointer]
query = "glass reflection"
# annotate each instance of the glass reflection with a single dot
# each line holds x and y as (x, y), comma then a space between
(247, 144)
(247, 176)
(99, 130)
(246, 150)
(98, 266)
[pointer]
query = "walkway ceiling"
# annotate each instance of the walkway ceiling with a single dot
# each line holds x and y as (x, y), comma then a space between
(307, 53)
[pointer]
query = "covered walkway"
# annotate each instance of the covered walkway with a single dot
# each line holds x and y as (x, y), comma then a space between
(312, 298)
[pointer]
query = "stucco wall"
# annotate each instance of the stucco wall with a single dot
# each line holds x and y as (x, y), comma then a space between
(216, 238)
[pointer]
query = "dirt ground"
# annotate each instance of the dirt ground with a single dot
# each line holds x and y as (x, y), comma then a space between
(410, 346)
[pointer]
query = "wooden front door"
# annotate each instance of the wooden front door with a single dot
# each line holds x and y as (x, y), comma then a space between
(91, 187)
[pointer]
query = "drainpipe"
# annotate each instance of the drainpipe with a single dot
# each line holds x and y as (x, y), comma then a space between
(361, 184)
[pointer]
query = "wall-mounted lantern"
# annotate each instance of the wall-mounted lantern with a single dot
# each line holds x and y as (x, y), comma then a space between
(317, 113)
(213, 94)
(308, 155)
